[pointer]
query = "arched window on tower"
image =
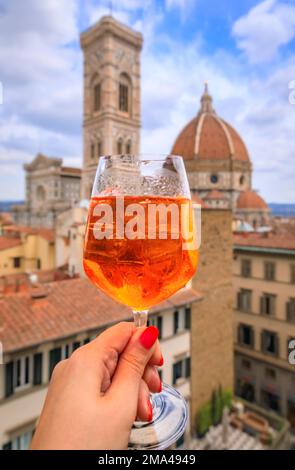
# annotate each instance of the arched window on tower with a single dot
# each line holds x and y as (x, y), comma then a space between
(128, 147)
(120, 146)
(99, 148)
(124, 93)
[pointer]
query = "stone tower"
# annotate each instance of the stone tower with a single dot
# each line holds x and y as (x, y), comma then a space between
(111, 117)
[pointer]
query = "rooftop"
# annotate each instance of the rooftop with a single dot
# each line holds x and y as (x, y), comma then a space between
(282, 240)
(63, 309)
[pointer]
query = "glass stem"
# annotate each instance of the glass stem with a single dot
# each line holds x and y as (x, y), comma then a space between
(140, 317)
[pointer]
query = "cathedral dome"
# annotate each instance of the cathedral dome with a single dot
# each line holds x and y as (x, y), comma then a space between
(209, 137)
(251, 200)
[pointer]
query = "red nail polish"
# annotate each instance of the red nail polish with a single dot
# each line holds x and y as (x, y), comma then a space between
(161, 362)
(150, 408)
(149, 336)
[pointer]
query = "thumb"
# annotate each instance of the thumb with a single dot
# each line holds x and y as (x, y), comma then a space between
(132, 363)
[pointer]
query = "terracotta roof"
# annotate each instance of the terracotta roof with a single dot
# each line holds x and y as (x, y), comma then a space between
(70, 307)
(282, 240)
(250, 200)
(208, 137)
(47, 233)
(214, 195)
(9, 242)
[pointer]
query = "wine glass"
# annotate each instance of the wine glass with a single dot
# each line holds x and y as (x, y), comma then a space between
(140, 248)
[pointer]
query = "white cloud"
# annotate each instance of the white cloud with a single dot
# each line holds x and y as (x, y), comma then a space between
(264, 29)
(184, 6)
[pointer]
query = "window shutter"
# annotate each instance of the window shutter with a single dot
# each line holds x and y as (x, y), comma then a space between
(7, 446)
(159, 325)
(174, 373)
(277, 345)
(76, 345)
(262, 305)
(9, 389)
(175, 321)
(252, 337)
(263, 341)
(187, 367)
(37, 373)
(187, 319)
(239, 303)
(54, 358)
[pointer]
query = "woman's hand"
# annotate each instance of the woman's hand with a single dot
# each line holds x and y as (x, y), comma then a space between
(95, 396)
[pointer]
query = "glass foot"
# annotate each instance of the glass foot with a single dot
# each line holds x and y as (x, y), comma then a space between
(170, 414)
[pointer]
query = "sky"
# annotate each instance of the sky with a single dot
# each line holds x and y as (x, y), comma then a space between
(245, 50)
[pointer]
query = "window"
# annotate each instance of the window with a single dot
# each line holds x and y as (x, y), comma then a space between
(128, 147)
(123, 98)
(187, 319)
(292, 273)
(269, 271)
(38, 263)
(246, 335)
(92, 150)
(246, 268)
(290, 311)
(96, 97)
(16, 262)
(20, 442)
(246, 364)
(269, 342)
(76, 345)
(242, 180)
(54, 358)
(214, 178)
(270, 373)
(120, 146)
(270, 400)
(175, 321)
(22, 372)
(244, 298)
(99, 148)
(157, 321)
(181, 369)
(267, 304)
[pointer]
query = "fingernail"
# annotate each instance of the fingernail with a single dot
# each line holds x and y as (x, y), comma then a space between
(149, 336)
(150, 410)
(161, 362)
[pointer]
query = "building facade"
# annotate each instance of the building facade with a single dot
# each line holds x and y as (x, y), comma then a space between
(32, 348)
(51, 188)
(111, 115)
(25, 250)
(264, 283)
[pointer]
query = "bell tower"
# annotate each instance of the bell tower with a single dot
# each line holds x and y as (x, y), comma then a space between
(111, 114)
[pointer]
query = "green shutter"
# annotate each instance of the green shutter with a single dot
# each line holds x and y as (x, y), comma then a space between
(9, 389)
(37, 373)
(54, 358)
(159, 326)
